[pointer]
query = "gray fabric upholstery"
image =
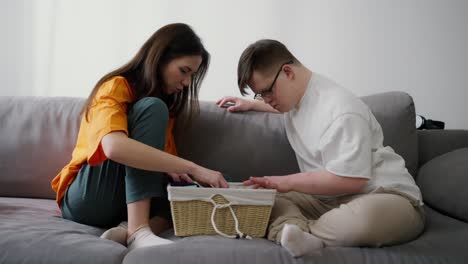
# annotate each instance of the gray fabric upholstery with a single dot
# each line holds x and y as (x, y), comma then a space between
(44, 130)
(433, 143)
(396, 114)
(37, 137)
(444, 241)
(238, 144)
(33, 231)
(443, 182)
(255, 144)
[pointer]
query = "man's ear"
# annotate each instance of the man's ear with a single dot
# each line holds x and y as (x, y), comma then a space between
(289, 71)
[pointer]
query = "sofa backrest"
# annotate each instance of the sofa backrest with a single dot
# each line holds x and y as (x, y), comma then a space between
(37, 137)
(255, 144)
(396, 114)
(237, 144)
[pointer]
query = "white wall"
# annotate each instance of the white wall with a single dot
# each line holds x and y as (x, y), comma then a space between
(62, 47)
(369, 46)
(16, 50)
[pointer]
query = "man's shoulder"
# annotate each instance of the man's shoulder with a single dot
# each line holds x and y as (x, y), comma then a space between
(339, 101)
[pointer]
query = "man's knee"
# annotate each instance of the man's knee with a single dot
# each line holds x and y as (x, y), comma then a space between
(374, 220)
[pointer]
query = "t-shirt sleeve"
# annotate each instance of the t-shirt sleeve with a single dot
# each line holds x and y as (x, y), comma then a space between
(170, 146)
(346, 147)
(107, 113)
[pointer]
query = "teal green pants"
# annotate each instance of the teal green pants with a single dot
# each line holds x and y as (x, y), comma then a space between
(99, 194)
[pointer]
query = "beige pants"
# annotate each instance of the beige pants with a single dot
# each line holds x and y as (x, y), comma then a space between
(375, 219)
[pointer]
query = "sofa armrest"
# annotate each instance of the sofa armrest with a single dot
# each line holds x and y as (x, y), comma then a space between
(433, 143)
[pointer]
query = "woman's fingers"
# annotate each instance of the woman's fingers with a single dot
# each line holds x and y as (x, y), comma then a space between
(223, 183)
(174, 176)
(186, 178)
(180, 177)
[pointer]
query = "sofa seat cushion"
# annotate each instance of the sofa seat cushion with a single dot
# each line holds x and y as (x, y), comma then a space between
(444, 241)
(443, 181)
(33, 231)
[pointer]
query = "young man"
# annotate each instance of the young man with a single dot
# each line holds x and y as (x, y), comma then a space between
(351, 191)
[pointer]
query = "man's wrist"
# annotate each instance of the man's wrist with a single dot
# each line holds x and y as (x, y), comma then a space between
(289, 182)
(253, 105)
(257, 105)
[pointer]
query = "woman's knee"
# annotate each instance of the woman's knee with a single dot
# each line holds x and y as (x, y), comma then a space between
(147, 121)
(152, 106)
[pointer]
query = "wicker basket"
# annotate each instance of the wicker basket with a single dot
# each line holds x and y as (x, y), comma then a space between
(236, 212)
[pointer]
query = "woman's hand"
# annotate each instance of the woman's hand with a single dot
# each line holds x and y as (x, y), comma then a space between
(280, 183)
(207, 177)
(178, 177)
(240, 104)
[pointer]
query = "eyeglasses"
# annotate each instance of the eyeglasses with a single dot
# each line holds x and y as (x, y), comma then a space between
(270, 89)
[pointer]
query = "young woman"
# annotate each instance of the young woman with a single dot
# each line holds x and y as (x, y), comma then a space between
(125, 149)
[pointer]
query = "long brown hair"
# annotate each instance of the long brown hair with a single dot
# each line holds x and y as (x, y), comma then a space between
(144, 71)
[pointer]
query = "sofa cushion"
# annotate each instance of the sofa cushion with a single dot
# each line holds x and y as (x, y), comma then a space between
(33, 231)
(444, 241)
(443, 181)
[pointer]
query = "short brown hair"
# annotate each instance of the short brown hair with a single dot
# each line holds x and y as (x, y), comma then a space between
(262, 56)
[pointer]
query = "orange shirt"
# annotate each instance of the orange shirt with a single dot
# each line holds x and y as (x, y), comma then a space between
(108, 112)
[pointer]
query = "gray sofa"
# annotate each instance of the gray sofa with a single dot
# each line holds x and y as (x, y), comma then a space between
(37, 136)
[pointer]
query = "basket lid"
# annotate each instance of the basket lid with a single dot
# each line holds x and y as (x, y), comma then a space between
(236, 194)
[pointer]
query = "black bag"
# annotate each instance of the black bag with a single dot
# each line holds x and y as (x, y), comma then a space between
(423, 123)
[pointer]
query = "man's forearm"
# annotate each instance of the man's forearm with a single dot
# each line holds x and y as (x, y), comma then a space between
(325, 183)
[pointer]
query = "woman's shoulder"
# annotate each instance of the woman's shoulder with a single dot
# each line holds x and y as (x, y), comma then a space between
(115, 82)
(116, 86)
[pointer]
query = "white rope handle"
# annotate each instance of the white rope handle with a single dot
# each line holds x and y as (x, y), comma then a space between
(228, 205)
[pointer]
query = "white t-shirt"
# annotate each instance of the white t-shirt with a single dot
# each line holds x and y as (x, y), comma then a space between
(330, 128)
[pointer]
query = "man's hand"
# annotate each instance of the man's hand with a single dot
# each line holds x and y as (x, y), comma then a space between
(280, 183)
(240, 104)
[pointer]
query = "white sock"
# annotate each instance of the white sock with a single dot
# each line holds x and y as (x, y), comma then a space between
(144, 237)
(298, 242)
(117, 234)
